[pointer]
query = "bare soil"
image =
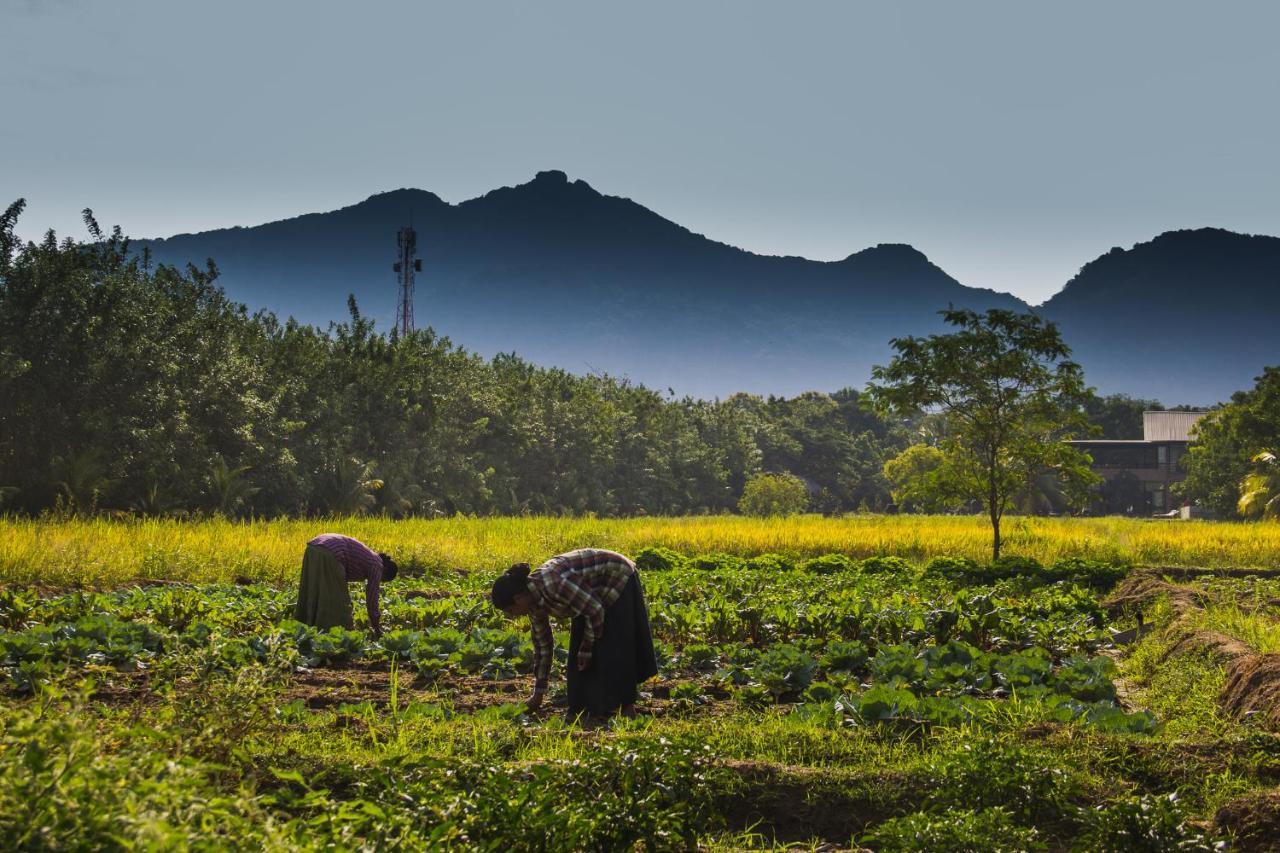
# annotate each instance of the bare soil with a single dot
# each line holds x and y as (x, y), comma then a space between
(1253, 820)
(1252, 689)
(1141, 589)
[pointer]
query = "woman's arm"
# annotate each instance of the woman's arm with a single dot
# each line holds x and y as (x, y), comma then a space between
(372, 594)
(543, 646)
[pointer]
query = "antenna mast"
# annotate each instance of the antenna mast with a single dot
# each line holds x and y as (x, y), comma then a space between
(409, 263)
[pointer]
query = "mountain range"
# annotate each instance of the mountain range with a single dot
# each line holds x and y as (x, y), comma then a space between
(564, 275)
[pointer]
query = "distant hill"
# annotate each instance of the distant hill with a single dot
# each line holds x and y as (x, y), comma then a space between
(567, 276)
(1188, 317)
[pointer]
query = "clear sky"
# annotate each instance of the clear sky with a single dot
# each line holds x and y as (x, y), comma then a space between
(1009, 141)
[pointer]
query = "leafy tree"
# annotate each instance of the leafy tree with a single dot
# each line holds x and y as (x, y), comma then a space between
(229, 489)
(1226, 442)
(352, 486)
(1260, 490)
(919, 480)
(155, 374)
(774, 494)
(1010, 397)
(1119, 416)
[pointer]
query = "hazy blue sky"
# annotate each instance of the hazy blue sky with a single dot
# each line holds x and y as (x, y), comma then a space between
(1010, 141)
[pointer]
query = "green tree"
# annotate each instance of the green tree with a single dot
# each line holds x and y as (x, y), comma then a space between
(229, 489)
(919, 481)
(1260, 489)
(156, 374)
(1010, 395)
(774, 494)
(1119, 416)
(1226, 442)
(352, 486)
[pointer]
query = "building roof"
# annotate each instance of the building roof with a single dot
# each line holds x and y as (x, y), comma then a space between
(1169, 426)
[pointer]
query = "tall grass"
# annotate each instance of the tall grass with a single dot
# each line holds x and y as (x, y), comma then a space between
(102, 552)
(1256, 629)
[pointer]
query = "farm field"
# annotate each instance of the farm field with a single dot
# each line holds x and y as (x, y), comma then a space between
(832, 684)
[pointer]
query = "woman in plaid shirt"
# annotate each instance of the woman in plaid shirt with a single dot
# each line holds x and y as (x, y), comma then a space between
(610, 644)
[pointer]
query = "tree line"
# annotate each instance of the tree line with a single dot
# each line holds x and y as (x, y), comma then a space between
(131, 388)
(144, 389)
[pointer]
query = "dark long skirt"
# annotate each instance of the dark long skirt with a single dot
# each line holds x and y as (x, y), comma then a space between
(323, 598)
(622, 658)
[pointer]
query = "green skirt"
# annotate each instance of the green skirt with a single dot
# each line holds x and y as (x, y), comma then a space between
(323, 597)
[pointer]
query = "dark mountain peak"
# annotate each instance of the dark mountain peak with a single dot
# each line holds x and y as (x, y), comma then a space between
(547, 186)
(1199, 236)
(404, 195)
(890, 253)
(1180, 262)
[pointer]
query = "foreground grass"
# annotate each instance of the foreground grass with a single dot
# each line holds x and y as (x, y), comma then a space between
(105, 552)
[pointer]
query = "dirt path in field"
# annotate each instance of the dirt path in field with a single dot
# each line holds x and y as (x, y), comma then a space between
(331, 687)
(1252, 686)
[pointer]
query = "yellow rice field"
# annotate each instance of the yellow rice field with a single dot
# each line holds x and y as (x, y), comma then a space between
(103, 552)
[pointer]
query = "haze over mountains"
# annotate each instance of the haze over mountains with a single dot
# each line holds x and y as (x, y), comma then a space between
(564, 275)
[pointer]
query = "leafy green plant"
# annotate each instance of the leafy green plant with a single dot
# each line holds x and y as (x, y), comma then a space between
(829, 564)
(785, 669)
(1146, 823)
(844, 656)
(657, 559)
(989, 830)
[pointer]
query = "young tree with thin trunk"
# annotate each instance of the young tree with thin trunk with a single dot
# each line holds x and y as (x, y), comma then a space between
(1010, 396)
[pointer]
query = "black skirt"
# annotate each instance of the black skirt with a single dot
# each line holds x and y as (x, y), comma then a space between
(622, 658)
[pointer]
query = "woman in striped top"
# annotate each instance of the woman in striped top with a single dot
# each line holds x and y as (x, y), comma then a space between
(329, 563)
(610, 643)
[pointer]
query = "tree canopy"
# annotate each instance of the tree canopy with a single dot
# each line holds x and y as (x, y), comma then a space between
(1227, 442)
(1010, 397)
(144, 389)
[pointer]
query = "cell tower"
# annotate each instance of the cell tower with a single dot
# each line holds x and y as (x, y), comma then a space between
(409, 263)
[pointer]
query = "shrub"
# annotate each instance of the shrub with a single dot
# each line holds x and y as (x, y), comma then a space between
(774, 494)
(715, 562)
(771, 563)
(658, 559)
(989, 771)
(886, 565)
(956, 831)
(1145, 823)
(1092, 573)
(829, 564)
(951, 567)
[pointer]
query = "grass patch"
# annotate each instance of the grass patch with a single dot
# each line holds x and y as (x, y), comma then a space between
(103, 552)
